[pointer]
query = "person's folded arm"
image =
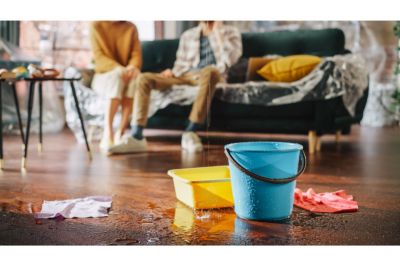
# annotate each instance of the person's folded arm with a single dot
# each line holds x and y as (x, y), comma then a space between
(181, 64)
(231, 48)
(103, 63)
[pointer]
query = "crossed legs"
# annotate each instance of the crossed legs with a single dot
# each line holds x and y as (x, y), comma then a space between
(207, 78)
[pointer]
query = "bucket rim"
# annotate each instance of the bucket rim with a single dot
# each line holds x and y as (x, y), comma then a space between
(172, 173)
(295, 147)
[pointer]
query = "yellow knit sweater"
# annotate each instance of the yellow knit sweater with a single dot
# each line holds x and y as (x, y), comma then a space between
(115, 43)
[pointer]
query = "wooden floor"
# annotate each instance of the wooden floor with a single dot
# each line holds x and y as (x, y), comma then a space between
(366, 164)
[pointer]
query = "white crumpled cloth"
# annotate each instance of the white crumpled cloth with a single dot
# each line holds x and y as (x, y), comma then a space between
(93, 206)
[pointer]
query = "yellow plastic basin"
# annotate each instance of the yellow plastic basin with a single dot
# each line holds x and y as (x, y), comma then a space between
(203, 188)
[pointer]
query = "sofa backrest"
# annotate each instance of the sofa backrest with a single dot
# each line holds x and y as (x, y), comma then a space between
(325, 42)
(160, 54)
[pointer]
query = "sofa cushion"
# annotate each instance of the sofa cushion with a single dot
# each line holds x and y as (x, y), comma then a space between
(289, 69)
(237, 73)
(255, 64)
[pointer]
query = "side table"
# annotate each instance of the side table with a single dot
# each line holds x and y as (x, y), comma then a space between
(32, 82)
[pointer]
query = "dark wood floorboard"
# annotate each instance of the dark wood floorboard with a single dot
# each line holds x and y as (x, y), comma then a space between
(366, 164)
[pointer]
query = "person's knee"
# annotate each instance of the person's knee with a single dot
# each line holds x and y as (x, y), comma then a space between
(209, 69)
(144, 81)
(117, 72)
(211, 72)
(127, 99)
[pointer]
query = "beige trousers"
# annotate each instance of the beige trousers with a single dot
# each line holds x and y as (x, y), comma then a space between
(206, 78)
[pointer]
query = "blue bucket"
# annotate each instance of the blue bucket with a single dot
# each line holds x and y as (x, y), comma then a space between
(264, 178)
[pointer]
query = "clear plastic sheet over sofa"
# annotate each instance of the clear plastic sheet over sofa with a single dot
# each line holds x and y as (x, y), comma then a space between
(344, 76)
(369, 39)
(91, 105)
(363, 39)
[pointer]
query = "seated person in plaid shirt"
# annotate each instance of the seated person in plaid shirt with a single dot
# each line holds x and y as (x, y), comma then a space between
(204, 55)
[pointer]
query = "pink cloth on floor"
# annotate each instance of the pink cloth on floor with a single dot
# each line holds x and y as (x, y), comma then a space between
(337, 201)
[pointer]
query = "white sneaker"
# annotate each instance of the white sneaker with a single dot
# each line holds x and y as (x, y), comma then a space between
(191, 142)
(117, 137)
(128, 144)
(105, 144)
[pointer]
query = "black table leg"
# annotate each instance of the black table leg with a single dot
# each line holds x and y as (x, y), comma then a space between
(40, 116)
(80, 118)
(1, 126)
(21, 129)
(28, 126)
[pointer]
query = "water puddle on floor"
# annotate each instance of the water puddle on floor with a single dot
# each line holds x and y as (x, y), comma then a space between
(18, 206)
(219, 226)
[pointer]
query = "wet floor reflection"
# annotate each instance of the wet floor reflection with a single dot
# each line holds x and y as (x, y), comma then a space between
(222, 226)
(203, 226)
(255, 231)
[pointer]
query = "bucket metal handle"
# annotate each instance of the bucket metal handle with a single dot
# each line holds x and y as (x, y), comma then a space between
(266, 179)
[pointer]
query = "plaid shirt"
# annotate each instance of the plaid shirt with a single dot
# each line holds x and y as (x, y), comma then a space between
(227, 54)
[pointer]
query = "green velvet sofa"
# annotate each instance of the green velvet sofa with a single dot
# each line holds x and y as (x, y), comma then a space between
(314, 118)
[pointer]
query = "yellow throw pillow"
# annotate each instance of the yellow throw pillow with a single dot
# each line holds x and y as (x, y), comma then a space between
(256, 63)
(289, 69)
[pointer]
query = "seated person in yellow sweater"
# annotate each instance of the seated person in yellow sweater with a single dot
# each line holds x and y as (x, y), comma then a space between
(118, 59)
(203, 57)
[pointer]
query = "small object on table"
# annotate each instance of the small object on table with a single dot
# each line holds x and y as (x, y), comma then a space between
(35, 71)
(45, 73)
(6, 74)
(50, 73)
(21, 72)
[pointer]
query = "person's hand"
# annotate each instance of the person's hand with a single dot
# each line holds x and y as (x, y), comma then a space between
(217, 25)
(210, 26)
(129, 73)
(167, 73)
(133, 71)
(125, 77)
(206, 27)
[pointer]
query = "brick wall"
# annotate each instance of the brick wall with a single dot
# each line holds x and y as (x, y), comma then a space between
(58, 43)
